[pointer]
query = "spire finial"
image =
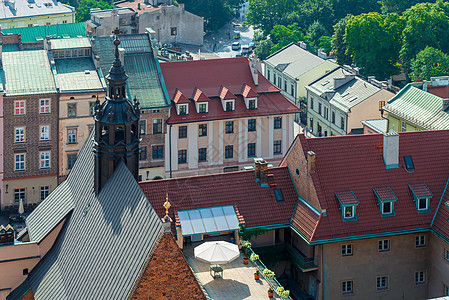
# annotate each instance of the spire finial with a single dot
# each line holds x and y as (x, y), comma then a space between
(167, 205)
(116, 42)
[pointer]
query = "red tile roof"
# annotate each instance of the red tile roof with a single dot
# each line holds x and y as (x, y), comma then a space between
(385, 193)
(180, 98)
(441, 222)
(420, 190)
(257, 205)
(230, 74)
(199, 96)
(225, 93)
(440, 91)
(356, 163)
(347, 197)
(248, 92)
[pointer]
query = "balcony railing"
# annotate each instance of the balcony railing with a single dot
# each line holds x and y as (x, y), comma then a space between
(260, 266)
(306, 264)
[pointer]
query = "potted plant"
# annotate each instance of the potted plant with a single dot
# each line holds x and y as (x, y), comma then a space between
(268, 274)
(282, 292)
(270, 293)
(245, 246)
(256, 275)
(254, 257)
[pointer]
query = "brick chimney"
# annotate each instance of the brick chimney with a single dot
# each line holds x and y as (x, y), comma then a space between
(311, 163)
(254, 72)
(257, 168)
(6, 235)
(391, 150)
(263, 174)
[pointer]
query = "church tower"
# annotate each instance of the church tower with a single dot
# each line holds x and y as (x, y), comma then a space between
(116, 127)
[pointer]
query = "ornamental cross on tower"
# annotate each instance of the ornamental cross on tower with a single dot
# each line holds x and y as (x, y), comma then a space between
(116, 31)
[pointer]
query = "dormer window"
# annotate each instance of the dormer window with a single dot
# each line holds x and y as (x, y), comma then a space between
(385, 200)
(252, 104)
(348, 203)
(183, 109)
(202, 108)
(250, 97)
(421, 196)
(229, 105)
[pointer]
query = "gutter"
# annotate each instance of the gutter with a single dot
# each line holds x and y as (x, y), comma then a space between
(441, 199)
(169, 144)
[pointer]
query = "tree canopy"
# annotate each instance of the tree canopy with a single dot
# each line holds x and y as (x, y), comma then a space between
(216, 13)
(429, 62)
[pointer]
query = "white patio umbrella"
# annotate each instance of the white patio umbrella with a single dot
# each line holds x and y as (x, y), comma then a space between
(219, 252)
(21, 210)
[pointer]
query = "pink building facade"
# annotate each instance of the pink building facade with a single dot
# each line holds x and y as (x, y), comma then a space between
(224, 114)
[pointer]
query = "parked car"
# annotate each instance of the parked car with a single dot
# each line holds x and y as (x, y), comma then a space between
(236, 35)
(239, 54)
(252, 45)
(235, 46)
(246, 50)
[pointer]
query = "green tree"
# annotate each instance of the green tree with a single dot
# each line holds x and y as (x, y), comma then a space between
(398, 6)
(83, 10)
(338, 42)
(265, 14)
(373, 41)
(317, 11)
(316, 30)
(284, 35)
(354, 7)
(263, 50)
(426, 25)
(429, 62)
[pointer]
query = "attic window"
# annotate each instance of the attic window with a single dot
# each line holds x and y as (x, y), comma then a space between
(345, 94)
(409, 163)
(183, 109)
(385, 199)
(278, 194)
(348, 203)
(421, 197)
(229, 105)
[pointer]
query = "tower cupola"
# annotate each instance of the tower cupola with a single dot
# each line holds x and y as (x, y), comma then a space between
(116, 126)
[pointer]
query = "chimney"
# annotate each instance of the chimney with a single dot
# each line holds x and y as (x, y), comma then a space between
(311, 163)
(6, 235)
(254, 72)
(257, 168)
(340, 81)
(303, 45)
(138, 6)
(445, 104)
(182, 6)
(263, 167)
(391, 150)
(122, 55)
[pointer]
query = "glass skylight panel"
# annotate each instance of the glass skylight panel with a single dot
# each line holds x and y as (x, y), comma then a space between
(231, 217)
(186, 225)
(220, 220)
(197, 222)
(208, 220)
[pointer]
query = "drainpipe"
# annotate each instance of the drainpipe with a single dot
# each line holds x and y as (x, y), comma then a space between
(322, 258)
(169, 143)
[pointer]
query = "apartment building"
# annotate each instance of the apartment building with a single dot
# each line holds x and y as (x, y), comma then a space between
(224, 113)
(340, 100)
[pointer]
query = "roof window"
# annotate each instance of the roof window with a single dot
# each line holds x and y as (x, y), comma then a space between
(421, 196)
(278, 194)
(385, 199)
(409, 163)
(348, 203)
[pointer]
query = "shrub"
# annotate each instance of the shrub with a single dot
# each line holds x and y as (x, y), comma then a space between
(254, 257)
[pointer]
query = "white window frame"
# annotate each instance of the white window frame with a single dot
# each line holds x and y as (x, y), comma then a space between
(44, 189)
(44, 135)
(198, 105)
(72, 135)
(225, 103)
(44, 161)
(19, 135)
(384, 245)
(44, 104)
(382, 282)
(18, 109)
(21, 161)
(347, 288)
(420, 241)
(427, 204)
(352, 212)
(143, 124)
(178, 109)
(420, 277)
(391, 208)
(346, 250)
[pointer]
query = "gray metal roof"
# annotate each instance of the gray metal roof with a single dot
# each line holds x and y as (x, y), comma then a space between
(105, 242)
(379, 125)
(294, 61)
(23, 8)
(346, 96)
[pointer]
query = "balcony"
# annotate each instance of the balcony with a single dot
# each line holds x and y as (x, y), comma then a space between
(306, 264)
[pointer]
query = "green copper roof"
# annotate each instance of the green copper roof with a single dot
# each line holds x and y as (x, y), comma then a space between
(27, 72)
(33, 34)
(10, 47)
(72, 43)
(419, 107)
(145, 80)
(77, 75)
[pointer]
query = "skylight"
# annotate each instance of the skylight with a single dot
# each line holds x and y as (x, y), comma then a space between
(324, 83)
(409, 163)
(278, 194)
